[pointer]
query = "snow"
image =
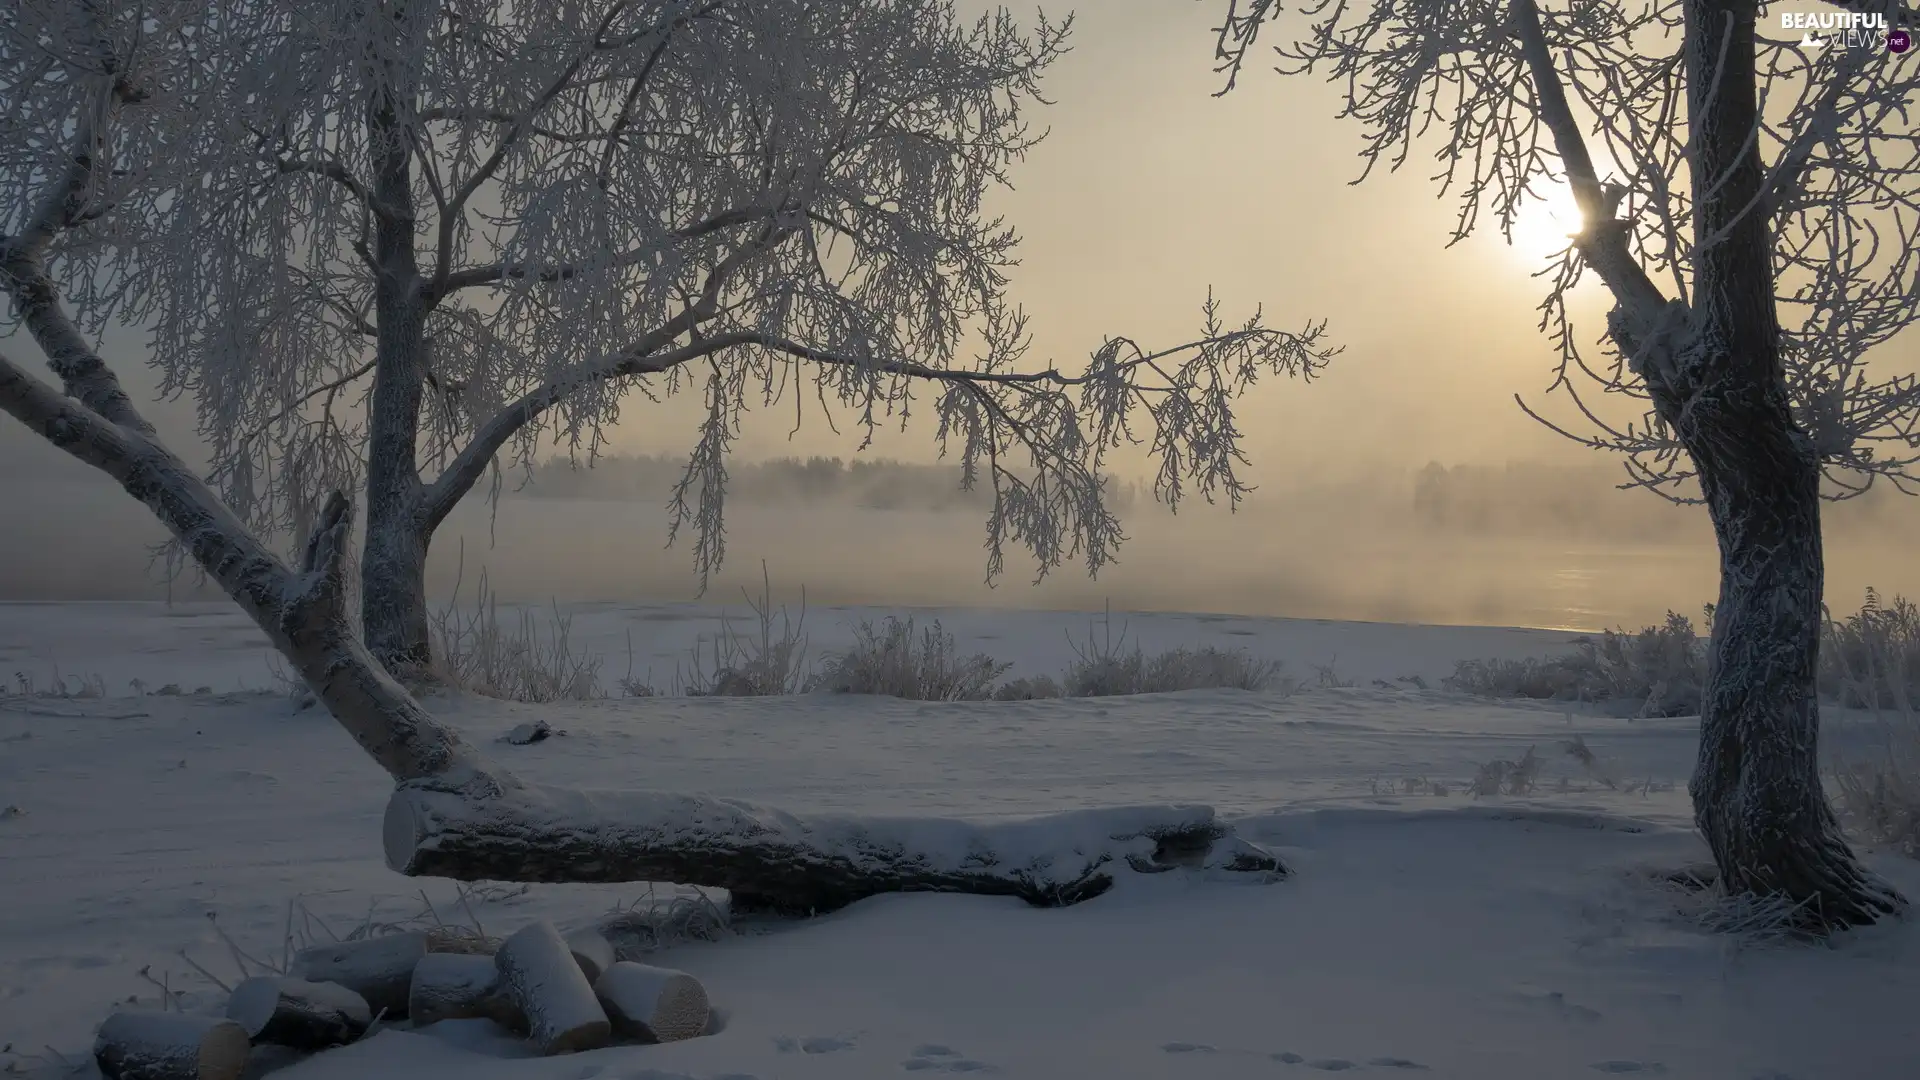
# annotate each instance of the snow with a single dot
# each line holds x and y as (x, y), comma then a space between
(1498, 938)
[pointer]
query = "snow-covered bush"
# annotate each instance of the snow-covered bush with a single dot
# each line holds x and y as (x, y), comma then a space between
(892, 660)
(1028, 688)
(515, 660)
(770, 660)
(1879, 797)
(1871, 659)
(1658, 671)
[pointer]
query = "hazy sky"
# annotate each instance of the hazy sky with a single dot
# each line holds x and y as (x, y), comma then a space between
(1148, 191)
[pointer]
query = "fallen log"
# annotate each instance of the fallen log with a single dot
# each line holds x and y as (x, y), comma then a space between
(460, 986)
(150, 1045)
(773, 860)
(539, 975)
(653, 1004)
(298, 1014)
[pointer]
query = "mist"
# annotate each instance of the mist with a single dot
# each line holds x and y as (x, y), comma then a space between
(1508, 545)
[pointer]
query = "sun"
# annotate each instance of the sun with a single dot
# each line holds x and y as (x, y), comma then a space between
(1544, 223)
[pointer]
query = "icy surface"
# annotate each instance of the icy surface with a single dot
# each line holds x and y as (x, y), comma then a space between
(1499, 938)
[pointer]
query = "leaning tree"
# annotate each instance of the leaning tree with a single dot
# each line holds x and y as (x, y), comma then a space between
(395, 245)
(1751, 203)
(752, 187)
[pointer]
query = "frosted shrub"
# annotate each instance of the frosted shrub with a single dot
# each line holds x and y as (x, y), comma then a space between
(1871, 659)
(1028, 688)
(1503, 777)
(892, 660)
(1105, 667)
(771, 660)
(515, 661)
(1658, 671)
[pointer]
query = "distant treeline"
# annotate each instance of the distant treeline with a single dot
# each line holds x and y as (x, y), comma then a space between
(1587, 501)
(869, 483)
(1581, 501)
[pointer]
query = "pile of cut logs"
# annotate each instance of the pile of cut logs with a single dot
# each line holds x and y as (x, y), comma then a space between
(564, 993)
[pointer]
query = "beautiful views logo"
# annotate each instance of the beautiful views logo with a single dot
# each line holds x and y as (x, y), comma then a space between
(1846, 29)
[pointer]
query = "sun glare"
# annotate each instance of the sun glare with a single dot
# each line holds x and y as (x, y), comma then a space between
(1544, 223)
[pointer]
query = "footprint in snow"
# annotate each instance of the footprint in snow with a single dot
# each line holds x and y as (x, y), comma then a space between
(1332, 1064)
(934, 1057)
(1186, 1048)
(1629, 1067)
(1396, 1063)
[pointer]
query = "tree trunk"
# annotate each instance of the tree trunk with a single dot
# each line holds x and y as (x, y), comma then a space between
(393, 586)
(1756, 788)
(393, 582)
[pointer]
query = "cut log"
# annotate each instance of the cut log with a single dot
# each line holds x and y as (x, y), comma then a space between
(591, 950)
(773, 860)
(296, 1013)
(539, 975)
(460, 986)
(380, 969)
(653, 1004)
(149, 1045)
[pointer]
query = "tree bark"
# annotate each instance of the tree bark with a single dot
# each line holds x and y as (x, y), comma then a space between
(1756, 787)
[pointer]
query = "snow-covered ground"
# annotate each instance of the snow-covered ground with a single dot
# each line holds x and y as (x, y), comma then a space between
(1493, 938)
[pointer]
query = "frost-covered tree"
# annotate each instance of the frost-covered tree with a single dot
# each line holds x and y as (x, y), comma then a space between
(807, 177)
(394, 245)
(1751, 203)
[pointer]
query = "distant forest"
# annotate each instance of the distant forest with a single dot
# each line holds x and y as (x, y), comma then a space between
(869, 483)
(1569, 501)
(1587, 501)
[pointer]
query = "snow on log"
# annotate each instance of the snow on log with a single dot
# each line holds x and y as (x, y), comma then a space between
(539, 975)
(653, 1004)
(460, 986)
(296, 1013)
(775, 860)
(591, 950)
(147, 1045)
(380, 969)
